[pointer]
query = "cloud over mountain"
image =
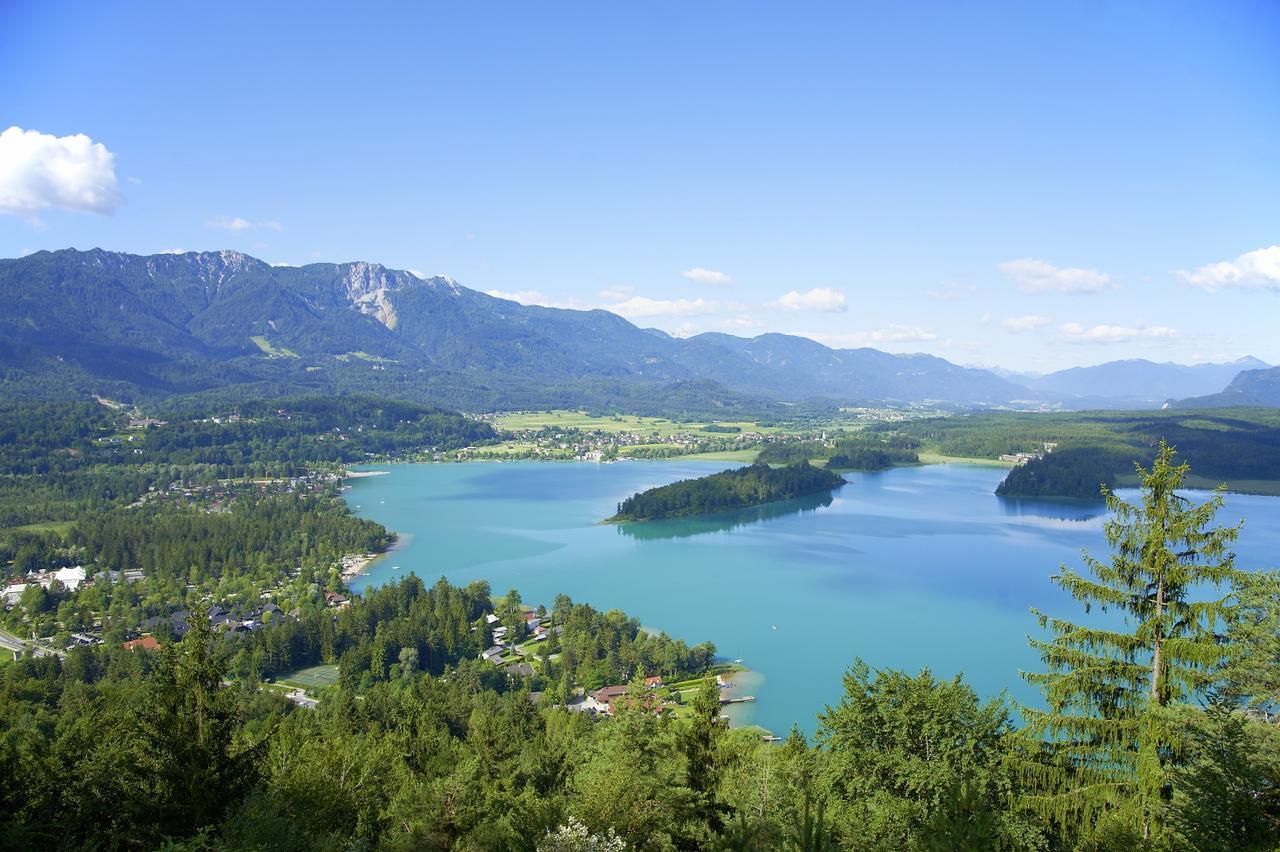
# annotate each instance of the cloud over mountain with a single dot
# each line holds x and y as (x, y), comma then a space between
(639, 307)
(236, 223)
(707, 276)
(1074, 332)
(1031, 322)
(822, 299)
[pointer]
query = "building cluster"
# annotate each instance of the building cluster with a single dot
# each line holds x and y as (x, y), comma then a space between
(506, 653)
(1023, 458)
(223, 621)
(71, 579)
(604, 446)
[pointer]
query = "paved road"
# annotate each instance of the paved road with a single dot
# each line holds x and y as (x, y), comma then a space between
(14, 643)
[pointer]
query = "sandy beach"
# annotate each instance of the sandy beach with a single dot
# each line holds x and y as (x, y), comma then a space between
(355, 563)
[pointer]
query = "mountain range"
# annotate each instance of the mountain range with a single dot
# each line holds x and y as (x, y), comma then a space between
(149, 327)
(1250, 388)
(1136, 382)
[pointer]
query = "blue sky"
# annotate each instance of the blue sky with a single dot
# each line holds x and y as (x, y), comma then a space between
(1024, 185)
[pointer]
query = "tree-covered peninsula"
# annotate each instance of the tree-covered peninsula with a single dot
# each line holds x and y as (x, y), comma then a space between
(743, 487)
(1078, 473)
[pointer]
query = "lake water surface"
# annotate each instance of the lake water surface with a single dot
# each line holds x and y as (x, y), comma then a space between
(912, 567)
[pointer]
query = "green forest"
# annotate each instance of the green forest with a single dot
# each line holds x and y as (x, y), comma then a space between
(864, 452)
(1079, 473)
(1238, 446)
(740, 488)
(1156, 736)
(218, 535)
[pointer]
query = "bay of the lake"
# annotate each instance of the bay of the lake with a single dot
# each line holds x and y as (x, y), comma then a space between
(913, 567)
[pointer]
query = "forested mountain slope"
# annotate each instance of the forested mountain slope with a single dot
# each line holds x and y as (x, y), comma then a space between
(104, 322)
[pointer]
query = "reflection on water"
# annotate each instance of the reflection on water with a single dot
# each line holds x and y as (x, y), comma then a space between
(1053, 510)
(723, 521)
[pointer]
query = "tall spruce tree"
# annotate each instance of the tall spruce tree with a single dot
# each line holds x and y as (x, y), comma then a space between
(1109, 742)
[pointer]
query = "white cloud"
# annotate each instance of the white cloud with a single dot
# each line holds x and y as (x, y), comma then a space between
(638, 307)
(174, 251)
(417, 273)
(740, 325)
(524, 297)
(1038, 276)
(1074, 332)
(889, 334)
(707, 276)
(236, 223)
(38, 171)
(951, 291)
(1253, 270)
(818, 299)
(1027, 323)
(616, 293)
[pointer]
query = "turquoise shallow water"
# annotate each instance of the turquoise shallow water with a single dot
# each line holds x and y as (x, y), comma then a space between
(908, 568)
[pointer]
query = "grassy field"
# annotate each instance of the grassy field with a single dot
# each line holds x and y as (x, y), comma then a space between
(272, 351)
(939, 458)
(59, 527)
(620, 423)
(1264, 487)
(313, 677)
(365, 356)
(743, 456)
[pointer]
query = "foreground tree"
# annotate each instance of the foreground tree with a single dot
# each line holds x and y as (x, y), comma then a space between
(899, 749)
(1107, 745)
(1251, 671)
(194, 761)
(1227, 792)
(702, 743)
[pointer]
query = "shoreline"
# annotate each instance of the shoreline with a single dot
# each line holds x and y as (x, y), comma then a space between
(353, 565)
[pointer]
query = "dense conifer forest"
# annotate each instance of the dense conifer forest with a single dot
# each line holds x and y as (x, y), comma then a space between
(858, 452)
(731, 489)
(157, 703)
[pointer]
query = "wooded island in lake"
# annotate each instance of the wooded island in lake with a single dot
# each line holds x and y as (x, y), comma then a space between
(730, 489)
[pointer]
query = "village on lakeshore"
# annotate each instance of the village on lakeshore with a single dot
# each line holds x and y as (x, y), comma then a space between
(523, 658)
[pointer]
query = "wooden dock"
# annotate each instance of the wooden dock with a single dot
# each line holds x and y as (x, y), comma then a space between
(740, 700)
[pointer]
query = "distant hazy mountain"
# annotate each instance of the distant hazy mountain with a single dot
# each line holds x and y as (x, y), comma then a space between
(1250, 388)
(784, 365)
(1139, 381)
(105, 322)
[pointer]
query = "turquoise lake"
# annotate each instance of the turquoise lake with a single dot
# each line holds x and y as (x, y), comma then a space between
(912, 567)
